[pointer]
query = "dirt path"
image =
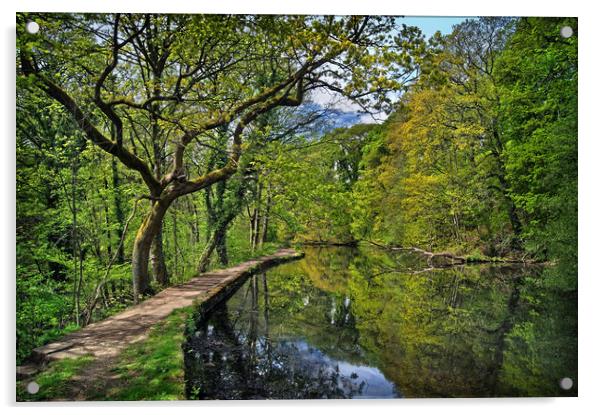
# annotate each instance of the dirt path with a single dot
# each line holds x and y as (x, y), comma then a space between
(105, 339)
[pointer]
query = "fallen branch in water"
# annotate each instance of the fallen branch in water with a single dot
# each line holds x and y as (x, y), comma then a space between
(329, 243)
(451, 258)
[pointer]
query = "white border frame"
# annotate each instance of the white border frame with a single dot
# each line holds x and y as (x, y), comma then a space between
(590, 155)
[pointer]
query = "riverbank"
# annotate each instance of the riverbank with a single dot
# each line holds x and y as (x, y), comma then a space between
(151, 369)
(101, 344)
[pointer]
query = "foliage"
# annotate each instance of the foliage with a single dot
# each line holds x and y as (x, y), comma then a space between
(538, 74)
(118, 134)
(480, 156)
(313, 181)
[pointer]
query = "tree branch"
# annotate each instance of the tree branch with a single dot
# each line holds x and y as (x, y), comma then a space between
(94, 135)
(105, 107)
(232, 164)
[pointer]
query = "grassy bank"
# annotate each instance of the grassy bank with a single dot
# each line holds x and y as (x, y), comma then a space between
(152, 369)
(149, 370)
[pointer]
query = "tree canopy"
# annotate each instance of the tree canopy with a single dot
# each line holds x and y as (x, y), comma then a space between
(153, 147)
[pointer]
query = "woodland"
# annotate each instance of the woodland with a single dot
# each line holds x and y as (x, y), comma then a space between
(154, 147)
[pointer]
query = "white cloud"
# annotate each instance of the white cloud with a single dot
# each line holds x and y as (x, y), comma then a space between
(335, 101)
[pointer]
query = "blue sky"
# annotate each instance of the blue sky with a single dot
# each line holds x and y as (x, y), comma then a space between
(430, 24)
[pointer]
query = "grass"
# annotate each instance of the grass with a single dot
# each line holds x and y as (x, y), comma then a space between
(55, 382)
(152, 369)
(149, 370)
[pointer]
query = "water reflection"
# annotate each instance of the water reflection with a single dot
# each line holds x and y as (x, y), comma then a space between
(233, 355)
(347, 322)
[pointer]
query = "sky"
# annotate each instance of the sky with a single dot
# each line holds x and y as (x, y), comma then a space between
(428, 25)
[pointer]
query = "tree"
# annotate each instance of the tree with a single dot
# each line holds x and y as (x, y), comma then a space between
(311, 180)
(438, 178)
(183, 76)
(537, 74)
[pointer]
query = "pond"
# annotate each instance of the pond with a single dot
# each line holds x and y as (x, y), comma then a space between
(368, 323)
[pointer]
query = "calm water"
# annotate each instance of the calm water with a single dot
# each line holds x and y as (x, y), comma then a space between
(364, 323)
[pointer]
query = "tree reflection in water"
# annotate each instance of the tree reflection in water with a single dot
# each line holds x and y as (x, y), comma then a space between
(344, 323)
(231, 356)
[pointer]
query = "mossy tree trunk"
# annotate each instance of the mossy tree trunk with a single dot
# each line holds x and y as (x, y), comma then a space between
(147, 233)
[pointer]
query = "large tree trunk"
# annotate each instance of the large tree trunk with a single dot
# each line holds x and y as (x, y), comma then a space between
(196, 238)
(252, 217)
(158, 259)
(156, 255)
(150, 227)
(221, 244)
(217, 240)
